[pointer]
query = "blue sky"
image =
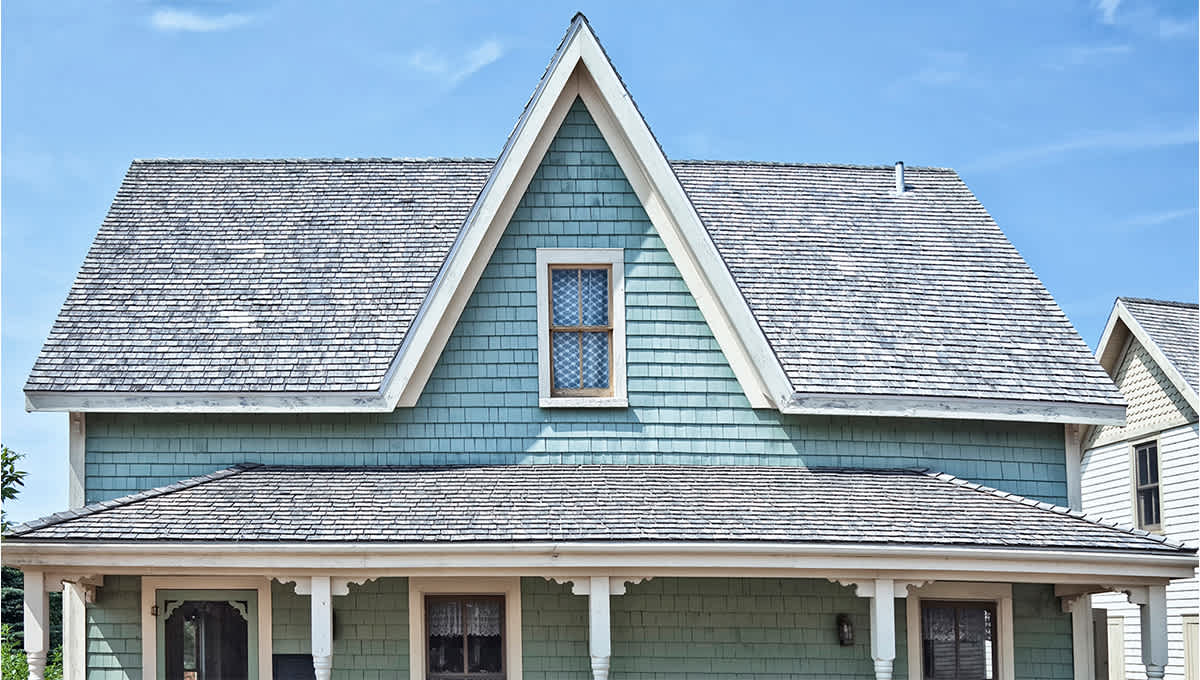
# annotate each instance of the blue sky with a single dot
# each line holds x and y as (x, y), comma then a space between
(1074, 122)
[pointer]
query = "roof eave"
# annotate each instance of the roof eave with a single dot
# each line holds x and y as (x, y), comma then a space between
(206, 402)
(656, 557)
(1036, 411)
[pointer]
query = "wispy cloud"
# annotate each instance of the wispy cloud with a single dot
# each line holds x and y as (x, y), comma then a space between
(1120, 141)
(1108, 10)
(173, 20)
(1154, 219)
(940, 68)
(1173, 28)
(452, 69)
(1085, 55)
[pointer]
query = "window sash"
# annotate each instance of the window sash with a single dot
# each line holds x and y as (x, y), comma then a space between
(958, 606)
(580, 329)
(1146, 486)
(463, 601)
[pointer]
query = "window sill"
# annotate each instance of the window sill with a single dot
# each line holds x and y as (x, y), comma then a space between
(583, 402)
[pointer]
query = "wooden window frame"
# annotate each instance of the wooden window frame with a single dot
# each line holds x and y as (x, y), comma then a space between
(986, 605)
(612, 259)
(581, 329)
(1137, 488)
(463, 598)
(997, 594)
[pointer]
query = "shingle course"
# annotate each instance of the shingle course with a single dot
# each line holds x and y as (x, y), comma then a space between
(304, 276)
(588, 503)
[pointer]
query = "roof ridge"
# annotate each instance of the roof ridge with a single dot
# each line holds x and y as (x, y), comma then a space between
(803, 164)
(1059, 510)
(315, 159)
(101, 506)
(1155, 301)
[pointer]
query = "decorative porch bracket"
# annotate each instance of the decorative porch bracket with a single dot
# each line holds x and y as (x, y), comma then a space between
(599, 589)
(1152, 605)
(883, 593)
(322, 590)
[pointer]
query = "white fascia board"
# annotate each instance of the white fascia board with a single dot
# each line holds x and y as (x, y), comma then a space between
(206, 402)
(880, 406)
(915, 562)
(1126, 317)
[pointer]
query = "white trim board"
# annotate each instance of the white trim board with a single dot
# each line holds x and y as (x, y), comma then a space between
(904, 563)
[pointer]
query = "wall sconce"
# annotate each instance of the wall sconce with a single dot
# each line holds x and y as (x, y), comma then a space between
(845, 630)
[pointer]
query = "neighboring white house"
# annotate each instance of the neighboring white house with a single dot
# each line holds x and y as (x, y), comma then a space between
(1147, 473)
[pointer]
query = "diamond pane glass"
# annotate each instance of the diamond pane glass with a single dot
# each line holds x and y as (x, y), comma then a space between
(595, 359)
(566, 360)
(594, 300)
(564, 287)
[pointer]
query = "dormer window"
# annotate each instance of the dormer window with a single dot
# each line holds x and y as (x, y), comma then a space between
(581, 327)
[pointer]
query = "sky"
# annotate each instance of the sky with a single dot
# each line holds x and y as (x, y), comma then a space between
(1074, 122)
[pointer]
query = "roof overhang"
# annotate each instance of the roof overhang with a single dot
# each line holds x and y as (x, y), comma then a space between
(929, 562)
(1121, 324)
(879, 406)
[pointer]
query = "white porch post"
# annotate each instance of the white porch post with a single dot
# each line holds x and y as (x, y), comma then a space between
(1154, 630)
(74, 620)
(322, 627)
(37, 623)
(599, 626)
(883, 628)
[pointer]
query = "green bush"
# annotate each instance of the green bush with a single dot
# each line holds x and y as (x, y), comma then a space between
(12, 659)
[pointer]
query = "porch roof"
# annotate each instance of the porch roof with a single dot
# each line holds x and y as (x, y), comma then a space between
(587, 503)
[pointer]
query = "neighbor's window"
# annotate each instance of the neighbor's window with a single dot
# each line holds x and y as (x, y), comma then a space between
(466, 637)
(581, 314)
(1146, 496)
(958, 641)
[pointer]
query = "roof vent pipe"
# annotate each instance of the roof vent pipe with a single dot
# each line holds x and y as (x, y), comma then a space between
(899, 177)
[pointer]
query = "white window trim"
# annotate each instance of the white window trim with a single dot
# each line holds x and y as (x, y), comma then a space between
(1134, 445)
(509, 587)
(610, 256)
(151, 586)
(999, 593)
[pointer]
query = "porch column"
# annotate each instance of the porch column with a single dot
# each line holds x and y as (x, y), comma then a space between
(599, 627)
(322, 627)
(37, 623)
(1153, 605)
(883, 628)
(74, 628)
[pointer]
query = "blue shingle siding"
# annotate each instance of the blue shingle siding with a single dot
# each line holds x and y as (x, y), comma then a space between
(480, 404)
(114, 631)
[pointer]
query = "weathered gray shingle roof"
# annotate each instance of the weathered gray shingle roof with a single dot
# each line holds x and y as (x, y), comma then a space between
(303, 276)
(864, 291)
(1175, 328)
(587, 503)
(234, 276)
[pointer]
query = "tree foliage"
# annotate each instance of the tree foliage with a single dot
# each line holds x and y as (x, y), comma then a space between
(11, 480)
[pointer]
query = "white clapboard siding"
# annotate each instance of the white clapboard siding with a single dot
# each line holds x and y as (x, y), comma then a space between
(1108, 492)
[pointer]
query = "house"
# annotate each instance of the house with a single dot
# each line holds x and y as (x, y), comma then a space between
(575, 412)
(1146, 473)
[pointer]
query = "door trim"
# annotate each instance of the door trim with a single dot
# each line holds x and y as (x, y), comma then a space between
(149, 596)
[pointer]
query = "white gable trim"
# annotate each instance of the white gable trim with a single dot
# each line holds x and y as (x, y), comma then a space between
(1113, 342)
(581, 69)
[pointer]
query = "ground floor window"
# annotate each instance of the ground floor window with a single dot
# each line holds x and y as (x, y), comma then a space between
(958, 640)
(465, 637)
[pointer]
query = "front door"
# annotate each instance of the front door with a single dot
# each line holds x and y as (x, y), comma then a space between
(207, 634)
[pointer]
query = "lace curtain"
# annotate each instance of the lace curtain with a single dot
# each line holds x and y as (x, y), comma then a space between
(483, 618)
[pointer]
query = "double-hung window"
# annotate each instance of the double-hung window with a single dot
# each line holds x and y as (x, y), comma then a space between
(1146, 498)
(581, 327)
(466, 637)
(958, 641)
